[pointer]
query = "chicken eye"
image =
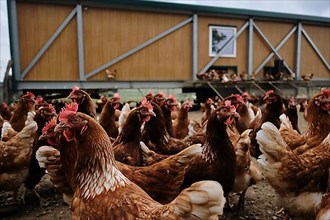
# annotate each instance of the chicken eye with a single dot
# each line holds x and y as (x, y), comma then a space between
(74, 120)
(224, 110)
(144, 111)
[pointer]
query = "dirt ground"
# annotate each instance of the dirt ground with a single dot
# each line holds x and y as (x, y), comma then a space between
(260, 201)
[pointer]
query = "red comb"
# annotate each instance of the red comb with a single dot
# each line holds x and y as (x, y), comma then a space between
(245, 94)
(209, 100)
(52, 107)
(38, 99)
(161, 94)
(269, 92)
(66, 112)
(189, 102)
(325, 91)
(49, 125)
(30, 94)
(228, 104)
(116, 95)
(170, 96)
(75, 87)
(238, 97)
(145, 103)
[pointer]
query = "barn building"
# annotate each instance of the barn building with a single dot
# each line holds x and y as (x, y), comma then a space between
(112, 44)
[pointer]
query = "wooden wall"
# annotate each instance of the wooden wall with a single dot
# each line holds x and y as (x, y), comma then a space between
(36, 24)
(310, 62)
(109, 33)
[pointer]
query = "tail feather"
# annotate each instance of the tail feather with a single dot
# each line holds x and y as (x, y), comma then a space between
(30, 117)
(202, 200)
(256, 120)
(193, 150)
(285, 122)
(271, 143)
(43, 153)
(145, 150)
(30, 127)
(150, 157)
(7, 131)
(255, 171)
(123, 116)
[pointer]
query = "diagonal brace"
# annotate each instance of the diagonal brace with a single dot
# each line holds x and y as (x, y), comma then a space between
(271, 47)
(49, 42)
(279, 46)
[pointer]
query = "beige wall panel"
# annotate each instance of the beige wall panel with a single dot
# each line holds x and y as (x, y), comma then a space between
(311, 63)
(321, 38)
(203, 43)
(59, 62)
(109, 34)
(260, 52)
(274, 32)
(168, 59)
(288, 52)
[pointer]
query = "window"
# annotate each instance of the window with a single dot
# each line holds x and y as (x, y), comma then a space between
(218, 37)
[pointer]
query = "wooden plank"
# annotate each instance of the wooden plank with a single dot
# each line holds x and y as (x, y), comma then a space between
(118, 31)
(36, 25)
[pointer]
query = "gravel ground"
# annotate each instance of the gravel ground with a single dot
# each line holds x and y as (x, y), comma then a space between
(260, 201)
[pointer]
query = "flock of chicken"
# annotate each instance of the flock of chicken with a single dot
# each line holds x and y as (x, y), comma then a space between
(151, 161)
(224, 77)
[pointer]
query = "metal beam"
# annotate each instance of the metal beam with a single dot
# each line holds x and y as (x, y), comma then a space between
(258, 87)
(81, 59)
(238, 89)
(269, 57)
(273, 49)
(298, 51)
(221, 97)
(315, 48)
(195, 47)
(275, 87)
(250, 48)
(58, 85)
(207, 66)
(140, 47)
(49, 42)
(14, 42)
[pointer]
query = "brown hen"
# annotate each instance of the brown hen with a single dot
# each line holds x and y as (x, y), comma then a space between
(318, 120)
(107, 117)
(161, 181)
(25, 104)
(218, 160)
(15, 156)
(101, 191)
(299, 180)
(84, 100)
(127, 144)
(181, 123)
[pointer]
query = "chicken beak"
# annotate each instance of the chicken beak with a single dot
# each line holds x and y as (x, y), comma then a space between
(151, 113)
(235, 115)
(59, 127)
(43, 137)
